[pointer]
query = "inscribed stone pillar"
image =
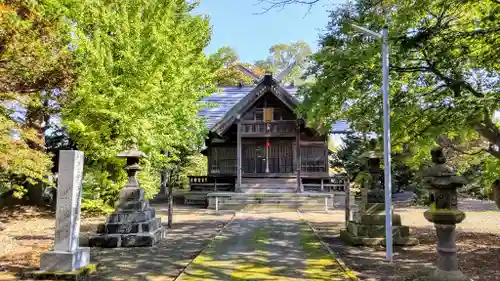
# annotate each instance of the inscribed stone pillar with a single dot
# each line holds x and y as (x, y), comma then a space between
(67, 255)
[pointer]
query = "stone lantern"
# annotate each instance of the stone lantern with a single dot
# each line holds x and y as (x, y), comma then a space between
(368, 224)
(133, 224)
(442, 183)
(374, 189)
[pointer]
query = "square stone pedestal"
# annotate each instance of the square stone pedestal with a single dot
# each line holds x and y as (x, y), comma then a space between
(132, 225)
(368, 228)
(65, 261)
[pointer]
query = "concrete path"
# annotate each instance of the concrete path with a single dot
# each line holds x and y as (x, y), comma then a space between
(269, 246)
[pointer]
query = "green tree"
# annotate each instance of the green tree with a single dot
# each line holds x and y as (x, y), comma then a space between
(141, 73)
(444, 67)
(224, 62)
(35, 61)
(281, 55)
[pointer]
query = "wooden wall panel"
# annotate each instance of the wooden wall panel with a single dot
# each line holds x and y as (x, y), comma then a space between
(223, 159)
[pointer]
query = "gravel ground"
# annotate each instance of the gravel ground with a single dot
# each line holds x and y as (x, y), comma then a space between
(478, 242)
(30, 232)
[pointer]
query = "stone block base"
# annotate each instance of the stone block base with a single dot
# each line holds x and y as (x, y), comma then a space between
(355, 240)
(83, 274)
(65, 261)
(368, 228)
(441, 275)
(371, 230)
(375, 219)
(144, 239)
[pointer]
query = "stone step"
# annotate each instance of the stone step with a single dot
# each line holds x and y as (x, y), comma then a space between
(263, 185)
(257, 191)
(272, 200)
(268, 207)
(278, 181)
(290, 201)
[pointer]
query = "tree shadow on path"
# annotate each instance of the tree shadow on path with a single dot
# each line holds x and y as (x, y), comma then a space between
(164, 261)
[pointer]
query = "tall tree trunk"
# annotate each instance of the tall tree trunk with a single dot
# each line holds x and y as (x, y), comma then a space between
(36, 118)
(163, 183)
(170, 205)
(496, 192)
(170, 197)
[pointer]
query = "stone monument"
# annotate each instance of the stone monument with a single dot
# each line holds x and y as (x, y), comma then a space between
(134, 223)
(67, 255)
(442, 183)
(367, 226)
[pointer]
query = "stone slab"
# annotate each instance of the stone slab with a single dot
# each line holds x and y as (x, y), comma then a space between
(372, 208)
(106, 241)
(441, 275)
(143, 239)
(375, 219)
(65, 261)
(118, 228)
(368, 230)
(354, 240)
(131, 194)
(83, 274)
(132, 217)
(351, 239)
(132, 205)
(127, 228)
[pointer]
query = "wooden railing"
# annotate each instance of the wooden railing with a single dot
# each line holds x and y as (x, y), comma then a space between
(326, 184)
(260, 128)
(212, 183)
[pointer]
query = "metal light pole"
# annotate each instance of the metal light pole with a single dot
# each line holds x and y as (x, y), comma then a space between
(387, 134)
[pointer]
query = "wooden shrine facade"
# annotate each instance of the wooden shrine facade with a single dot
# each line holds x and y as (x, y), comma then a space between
(261, 136)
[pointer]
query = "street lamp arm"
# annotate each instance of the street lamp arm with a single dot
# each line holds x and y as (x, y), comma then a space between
(366, 31)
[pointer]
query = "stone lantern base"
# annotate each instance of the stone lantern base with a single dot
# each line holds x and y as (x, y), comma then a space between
(368, 228)
(134, 223)
(440, 275)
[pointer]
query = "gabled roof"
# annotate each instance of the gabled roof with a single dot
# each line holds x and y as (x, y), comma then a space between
(230, 101)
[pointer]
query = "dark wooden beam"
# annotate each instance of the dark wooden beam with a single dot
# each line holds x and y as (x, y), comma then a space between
(238, 155)
(297, 156)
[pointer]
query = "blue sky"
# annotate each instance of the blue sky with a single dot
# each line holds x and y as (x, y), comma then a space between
(236, 24)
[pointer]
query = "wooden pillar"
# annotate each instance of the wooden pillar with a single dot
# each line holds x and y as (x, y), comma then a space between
(267, 156)
(238, 155)
(347, 194)
(298, 159)
(327, 165)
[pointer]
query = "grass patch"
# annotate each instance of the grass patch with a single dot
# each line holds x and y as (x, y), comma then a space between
(256, 265)
(319, 264)
(204, 266)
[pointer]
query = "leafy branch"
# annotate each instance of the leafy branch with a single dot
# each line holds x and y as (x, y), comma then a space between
(281, 4)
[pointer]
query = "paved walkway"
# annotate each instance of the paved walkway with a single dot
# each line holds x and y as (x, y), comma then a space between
(277, 246)
(191, 232)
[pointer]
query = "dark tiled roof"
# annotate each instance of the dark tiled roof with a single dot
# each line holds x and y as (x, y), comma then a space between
(227, 97)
